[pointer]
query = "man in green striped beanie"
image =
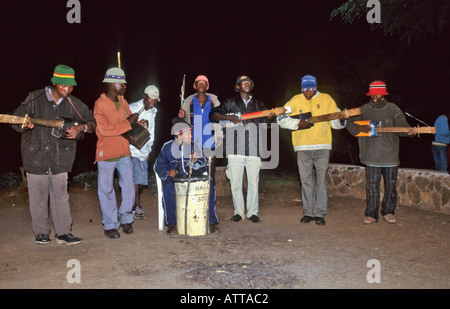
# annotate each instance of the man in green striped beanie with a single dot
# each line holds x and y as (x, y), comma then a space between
(48, 153)
(64, 75)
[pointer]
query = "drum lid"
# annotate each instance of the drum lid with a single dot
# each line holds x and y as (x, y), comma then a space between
(185, 178)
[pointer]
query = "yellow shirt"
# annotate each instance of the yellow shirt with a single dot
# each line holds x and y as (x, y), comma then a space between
(319, 135)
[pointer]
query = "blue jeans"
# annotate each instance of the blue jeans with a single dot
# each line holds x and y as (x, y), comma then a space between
(440, 157)
(140, 171)
(113, 217)
(373, 179)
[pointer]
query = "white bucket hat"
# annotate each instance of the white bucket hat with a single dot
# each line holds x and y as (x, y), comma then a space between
(115, 75)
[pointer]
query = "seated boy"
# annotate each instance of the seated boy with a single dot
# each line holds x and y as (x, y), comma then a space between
(174, 160)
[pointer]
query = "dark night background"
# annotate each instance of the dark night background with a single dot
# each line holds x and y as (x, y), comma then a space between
(274, 42)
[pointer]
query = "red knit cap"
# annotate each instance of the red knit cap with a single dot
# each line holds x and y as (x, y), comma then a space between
(377, 88)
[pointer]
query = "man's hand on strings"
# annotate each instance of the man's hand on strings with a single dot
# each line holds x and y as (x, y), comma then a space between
(73, 132)
(28, 124)
(271, 117)
(133, 118)
(412, 132)
(144, 123)
(302, 124)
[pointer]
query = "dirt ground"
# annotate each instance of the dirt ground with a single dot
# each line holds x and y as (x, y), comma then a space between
(278, 253)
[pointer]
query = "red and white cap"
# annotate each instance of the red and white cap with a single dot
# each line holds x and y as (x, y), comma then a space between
(377, 88)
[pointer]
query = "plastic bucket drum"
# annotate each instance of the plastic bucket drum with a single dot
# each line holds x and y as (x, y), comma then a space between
(193, 219)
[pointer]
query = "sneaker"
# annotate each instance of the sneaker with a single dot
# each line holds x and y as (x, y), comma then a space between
(42, 239)
(213, 229)
(254, 219)
(389, 218)
(172, 229)
(236, 218)
(369, 220)
(67, 239)
(138, 213)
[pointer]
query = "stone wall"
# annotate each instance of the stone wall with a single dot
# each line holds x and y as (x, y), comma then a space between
(424, 189)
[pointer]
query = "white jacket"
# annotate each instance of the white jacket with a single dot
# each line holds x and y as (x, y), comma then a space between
(150, 116)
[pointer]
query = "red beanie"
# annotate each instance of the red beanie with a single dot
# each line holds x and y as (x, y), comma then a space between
(377, 88)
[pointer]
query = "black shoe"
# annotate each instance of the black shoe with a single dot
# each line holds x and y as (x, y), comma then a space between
(172, 229)
(127, 228)
(306, 219)
(236, 218)
(319, 221)
(254, 219)
(42, 239)
(213, 229)
(112, 233)
(67, 239)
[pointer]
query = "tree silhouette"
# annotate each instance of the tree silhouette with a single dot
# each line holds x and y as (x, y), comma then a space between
(411, 20)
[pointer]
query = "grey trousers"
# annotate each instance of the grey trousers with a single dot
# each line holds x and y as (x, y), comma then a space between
(312, 167)
(49, 190)
(235, 172)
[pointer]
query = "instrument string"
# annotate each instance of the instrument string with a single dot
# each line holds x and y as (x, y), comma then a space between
(408, 114)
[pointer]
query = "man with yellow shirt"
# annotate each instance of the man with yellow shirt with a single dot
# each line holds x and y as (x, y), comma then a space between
(312, 144)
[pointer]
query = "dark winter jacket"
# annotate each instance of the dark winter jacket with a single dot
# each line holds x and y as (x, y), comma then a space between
(242, 139)
(384, 148)
(41, 150)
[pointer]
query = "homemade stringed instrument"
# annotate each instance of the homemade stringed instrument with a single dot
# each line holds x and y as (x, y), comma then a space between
(282, 111)
(328, 117)
(260, 114)
(375, 129)
(62, 124)
(139, 135)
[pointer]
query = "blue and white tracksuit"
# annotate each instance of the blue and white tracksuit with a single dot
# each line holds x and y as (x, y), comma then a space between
(175, 156)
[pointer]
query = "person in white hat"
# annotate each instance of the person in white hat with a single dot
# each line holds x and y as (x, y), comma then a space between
(114, 118)
(139, 157)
